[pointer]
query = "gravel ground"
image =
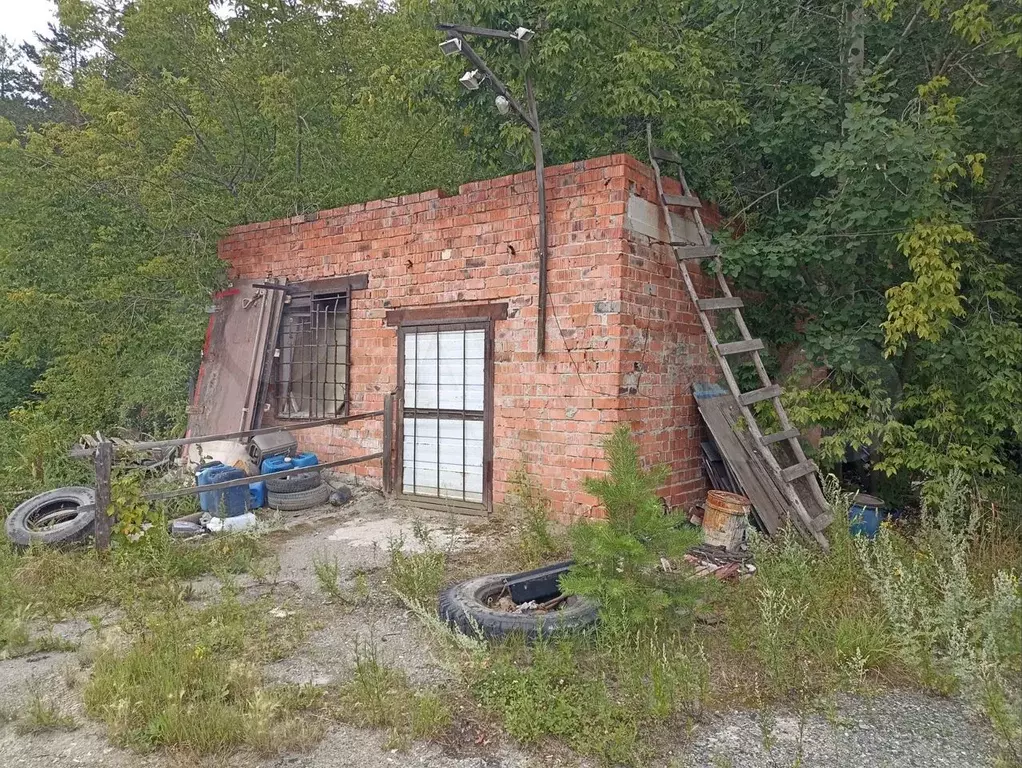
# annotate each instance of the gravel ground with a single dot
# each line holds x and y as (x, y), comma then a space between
(893, 730)
(901, 729)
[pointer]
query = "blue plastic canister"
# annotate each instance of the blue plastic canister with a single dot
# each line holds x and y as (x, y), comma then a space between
(280, 463)
(228, 502)
(202, 478)
(257, 495)
(865, 515)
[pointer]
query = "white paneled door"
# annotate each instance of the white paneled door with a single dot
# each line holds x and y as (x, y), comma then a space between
(443, 405)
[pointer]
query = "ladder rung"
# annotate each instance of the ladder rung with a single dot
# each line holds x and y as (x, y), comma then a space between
(724, 302)
(666, 154)
(738, 347)
(758, 395)
(695, 251)
(797, 471)
(822, 521)
(777, 437)
(686, 201)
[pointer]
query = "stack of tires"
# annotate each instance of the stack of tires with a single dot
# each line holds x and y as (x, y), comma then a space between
(298, 491)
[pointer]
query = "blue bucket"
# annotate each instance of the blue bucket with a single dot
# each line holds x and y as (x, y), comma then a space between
(865, 515)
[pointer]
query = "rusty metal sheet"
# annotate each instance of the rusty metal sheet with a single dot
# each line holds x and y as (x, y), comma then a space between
(240, 337)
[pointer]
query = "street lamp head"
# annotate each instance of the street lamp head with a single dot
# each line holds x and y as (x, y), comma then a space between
(503, 105)
(472, 80)
(523, 34)
(451, 46)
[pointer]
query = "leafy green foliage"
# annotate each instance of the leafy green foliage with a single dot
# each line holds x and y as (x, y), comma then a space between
(617, 561)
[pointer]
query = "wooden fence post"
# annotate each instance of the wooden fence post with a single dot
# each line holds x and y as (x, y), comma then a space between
(104, 463)
(388, 440)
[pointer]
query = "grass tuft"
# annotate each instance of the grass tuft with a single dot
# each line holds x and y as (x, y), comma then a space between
(41, 715)
(193, 679)
(380, 696)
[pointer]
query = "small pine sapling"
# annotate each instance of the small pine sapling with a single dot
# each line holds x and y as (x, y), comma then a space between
(618, 560)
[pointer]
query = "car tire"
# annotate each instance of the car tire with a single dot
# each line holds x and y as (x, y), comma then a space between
(464, 607)
(295, 502)
(57, 518)
(299, 481)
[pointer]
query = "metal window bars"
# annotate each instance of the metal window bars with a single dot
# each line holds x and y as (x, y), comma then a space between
(313, 363)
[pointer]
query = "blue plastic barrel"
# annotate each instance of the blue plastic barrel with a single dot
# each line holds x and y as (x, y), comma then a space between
(865, 515)
(228, 502)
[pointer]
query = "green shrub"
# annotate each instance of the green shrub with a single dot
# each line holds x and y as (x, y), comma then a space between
(953, 631)
(617, 560)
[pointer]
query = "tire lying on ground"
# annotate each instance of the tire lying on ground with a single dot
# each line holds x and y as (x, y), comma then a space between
(58, 518)
(299, 481)
(299, 500)
(465, 607)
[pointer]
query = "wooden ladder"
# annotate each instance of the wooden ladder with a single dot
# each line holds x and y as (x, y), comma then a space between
(803, 469)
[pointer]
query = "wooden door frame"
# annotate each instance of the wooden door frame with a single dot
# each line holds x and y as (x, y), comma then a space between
(465, 317)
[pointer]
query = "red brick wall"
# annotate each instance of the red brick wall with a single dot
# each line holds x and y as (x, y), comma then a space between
(479, 247)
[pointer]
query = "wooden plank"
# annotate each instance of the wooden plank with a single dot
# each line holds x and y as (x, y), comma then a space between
(797, 471)
(759, 395)
(724, 302)
(666, 154)
(739, 347)
(684, 201)
(777, 437)
(687, 252)
(104, 464)
(822, 521)
(721, 416)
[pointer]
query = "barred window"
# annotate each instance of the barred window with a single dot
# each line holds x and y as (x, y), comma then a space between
(312, 368)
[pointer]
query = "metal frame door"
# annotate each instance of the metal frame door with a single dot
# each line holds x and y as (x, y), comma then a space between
(450, 407)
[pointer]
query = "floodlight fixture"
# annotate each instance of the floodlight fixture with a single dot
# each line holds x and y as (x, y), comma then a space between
(523, 34)
(451, 46)
(503, 105)
(472, 80)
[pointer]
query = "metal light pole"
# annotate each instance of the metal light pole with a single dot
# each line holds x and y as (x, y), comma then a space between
(471, 80)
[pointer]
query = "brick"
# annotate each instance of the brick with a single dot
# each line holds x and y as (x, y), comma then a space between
(618, 317)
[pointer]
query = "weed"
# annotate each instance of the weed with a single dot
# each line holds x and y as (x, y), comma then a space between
(603, 695)
(416, 575)
(951, 630)
(193, 678)
(43, 715)
(380, 697)
(527, 508)
(328, 574)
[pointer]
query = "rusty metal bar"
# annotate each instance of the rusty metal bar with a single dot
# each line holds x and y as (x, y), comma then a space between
(248, 479)
(84, 453)
(388, 446)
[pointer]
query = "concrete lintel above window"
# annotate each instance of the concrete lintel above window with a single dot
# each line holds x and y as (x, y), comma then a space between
(447, 313)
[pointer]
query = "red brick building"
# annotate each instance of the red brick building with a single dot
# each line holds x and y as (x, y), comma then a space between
(434, 298)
